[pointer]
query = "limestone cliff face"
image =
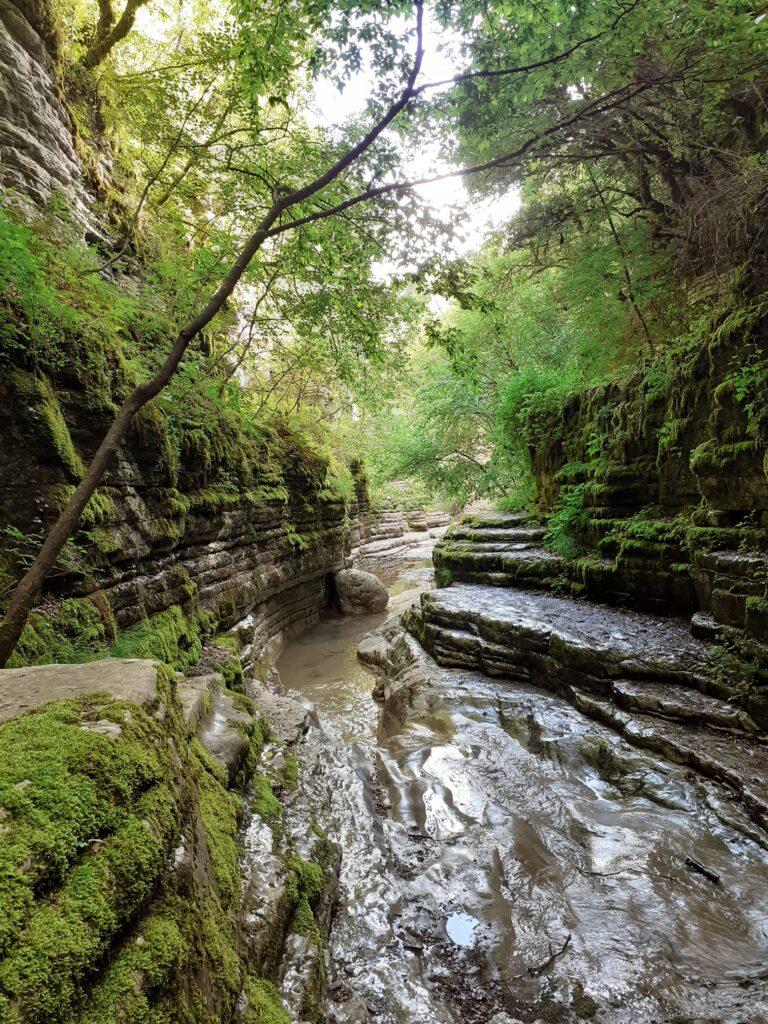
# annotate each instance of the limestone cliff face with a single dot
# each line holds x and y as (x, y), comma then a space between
(254, 554)
(37, 150)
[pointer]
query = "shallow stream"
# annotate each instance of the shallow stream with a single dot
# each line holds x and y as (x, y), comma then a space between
(503, 854)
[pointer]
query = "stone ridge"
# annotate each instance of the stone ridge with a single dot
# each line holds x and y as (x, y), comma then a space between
(646, 563)
(257, 559)
(498, 626)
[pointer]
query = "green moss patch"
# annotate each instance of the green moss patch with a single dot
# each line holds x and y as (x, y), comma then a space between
(713, 459)
(218, 813)
(170, 636)
(290, 773)
(72, 631)
(44, 416)
(264, 802)
(182, 963)
(264, 1005)
(87, 819)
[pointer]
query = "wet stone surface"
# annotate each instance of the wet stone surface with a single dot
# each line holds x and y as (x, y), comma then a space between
(506, 857)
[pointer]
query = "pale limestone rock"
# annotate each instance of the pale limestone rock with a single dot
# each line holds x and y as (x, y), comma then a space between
(360, 592)
(22, 689)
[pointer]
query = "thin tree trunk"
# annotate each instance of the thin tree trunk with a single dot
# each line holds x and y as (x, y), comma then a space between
(107, 34)
(624, 261)
(26, 593)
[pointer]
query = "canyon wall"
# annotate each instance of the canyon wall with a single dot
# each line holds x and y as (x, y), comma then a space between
(664, 481)
(38, 145)
(178, 549)
(652, 494)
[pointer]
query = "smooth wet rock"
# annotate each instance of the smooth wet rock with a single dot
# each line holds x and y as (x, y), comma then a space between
(543, 824)
(360, 593)
(288, 718)
(226, 732)
(372, 650)
(486, 819)
(642, 676)
(22, 689)
(194, 694)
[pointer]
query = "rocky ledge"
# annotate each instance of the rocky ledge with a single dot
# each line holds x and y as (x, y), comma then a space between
(504, 549)
(645, 677)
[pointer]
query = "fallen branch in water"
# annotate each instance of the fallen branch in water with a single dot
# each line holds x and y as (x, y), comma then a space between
(553, 956)
(702, 869)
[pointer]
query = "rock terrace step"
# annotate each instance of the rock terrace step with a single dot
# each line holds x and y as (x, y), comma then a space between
(491, 535)
(685, 706)
(489, 519)
(737, 761)
(600, 642)
(643, 676)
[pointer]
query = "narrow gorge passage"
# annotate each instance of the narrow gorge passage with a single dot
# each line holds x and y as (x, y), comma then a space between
(383, 512)
(504, 854)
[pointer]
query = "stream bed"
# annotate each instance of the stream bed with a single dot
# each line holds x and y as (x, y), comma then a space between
(506, 858)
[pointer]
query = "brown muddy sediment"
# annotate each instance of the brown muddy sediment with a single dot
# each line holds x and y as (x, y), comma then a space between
(483, 821)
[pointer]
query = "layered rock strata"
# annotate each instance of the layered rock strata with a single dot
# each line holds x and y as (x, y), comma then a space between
(257, 558)
(500, 548)
(660, 485)
(648, 678)
(38, 153)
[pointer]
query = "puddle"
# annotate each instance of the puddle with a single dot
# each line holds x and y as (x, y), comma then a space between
(461, 928)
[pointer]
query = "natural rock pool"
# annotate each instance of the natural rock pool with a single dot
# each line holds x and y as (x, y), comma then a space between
(506, 857)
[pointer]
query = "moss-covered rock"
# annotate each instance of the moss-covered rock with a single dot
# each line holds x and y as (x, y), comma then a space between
(264, 1005)
(73, 630)
(89, 813)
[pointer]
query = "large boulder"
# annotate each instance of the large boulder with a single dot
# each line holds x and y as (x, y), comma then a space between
(360, 593)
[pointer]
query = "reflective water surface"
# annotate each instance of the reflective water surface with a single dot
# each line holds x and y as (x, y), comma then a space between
(503, 854)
